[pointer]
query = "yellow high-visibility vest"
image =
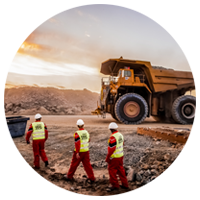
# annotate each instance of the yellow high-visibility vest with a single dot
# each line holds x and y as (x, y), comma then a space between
(119, 147)
(38, 130)
(84, 140)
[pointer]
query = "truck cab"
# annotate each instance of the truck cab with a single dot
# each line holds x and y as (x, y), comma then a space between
(126, 77)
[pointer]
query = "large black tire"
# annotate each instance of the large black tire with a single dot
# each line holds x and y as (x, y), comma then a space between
(183, 109)
(113, 115)
(131, 108)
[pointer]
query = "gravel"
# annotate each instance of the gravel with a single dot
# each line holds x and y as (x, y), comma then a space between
(144, 160)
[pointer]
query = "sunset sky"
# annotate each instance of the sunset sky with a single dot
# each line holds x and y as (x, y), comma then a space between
(67, 50)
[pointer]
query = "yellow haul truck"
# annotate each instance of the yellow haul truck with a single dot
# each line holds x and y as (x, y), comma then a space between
(135, 90)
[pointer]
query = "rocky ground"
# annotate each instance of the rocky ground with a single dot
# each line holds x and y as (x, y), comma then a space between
(145, 158)
(31, 100)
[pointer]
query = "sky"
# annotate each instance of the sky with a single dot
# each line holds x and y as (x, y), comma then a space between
(67, 50)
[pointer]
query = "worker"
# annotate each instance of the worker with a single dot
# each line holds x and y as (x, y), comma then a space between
(81, 153)
(39, 133)
(114, 159)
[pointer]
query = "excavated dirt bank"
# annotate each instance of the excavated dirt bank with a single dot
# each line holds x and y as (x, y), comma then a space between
(49, 101)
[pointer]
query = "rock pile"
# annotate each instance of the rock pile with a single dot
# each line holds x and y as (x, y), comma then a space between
(146, 172)
(48, 101)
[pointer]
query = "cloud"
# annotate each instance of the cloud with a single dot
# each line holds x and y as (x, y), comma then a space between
(79, 12)
(78, 82)
(86, 34)
(28, 65)
(63, 49)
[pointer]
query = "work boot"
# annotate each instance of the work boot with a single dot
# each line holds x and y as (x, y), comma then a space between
(68, 179)
(46, 163)
(123, 187)
(110, 189)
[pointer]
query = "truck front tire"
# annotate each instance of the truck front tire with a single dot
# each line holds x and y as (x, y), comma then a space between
(113, 114)
(183, 109)
(131, 108)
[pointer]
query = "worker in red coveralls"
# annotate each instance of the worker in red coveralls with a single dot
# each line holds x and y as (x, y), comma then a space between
(81, 153)
(115, 159)
(39, 133)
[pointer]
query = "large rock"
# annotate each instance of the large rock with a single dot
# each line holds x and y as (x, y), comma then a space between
(72, 188)
(166, 165)
(153, 177)
(160, 158)
(157, 163)
(154, 166)
(127, 169)
(54, 109)
(141, 172)
(145, 166)
(154, 172)
(138, 177)
(70, 111)
(62, 109)
(151, 160)
(78, 188)
(167, 157)
(9, 107)
(147, 173)
(138, 183)
(131, 175)
(161, 168)
(16, 110)
(104, 164)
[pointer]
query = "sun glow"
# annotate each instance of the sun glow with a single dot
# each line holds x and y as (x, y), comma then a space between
(25, 64)
(19, 46)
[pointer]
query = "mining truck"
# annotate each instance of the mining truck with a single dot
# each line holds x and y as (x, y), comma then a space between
(135, 90)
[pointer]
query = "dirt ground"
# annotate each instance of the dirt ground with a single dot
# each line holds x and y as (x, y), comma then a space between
(145, 158)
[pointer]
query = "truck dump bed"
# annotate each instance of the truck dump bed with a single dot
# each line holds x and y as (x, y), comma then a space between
(159, 78)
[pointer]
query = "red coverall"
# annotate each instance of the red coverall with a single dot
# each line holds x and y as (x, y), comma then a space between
(115, 165)
(38, 146)
(84, 158)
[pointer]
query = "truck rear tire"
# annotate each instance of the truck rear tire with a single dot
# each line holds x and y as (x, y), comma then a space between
(183, 109)
(131, 108)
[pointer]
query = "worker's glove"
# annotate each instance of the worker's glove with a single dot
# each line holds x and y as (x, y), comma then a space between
(27, 142)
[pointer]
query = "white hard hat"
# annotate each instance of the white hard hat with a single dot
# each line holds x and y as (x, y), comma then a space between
(38, 116)
(112, 125)
(80, 122)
